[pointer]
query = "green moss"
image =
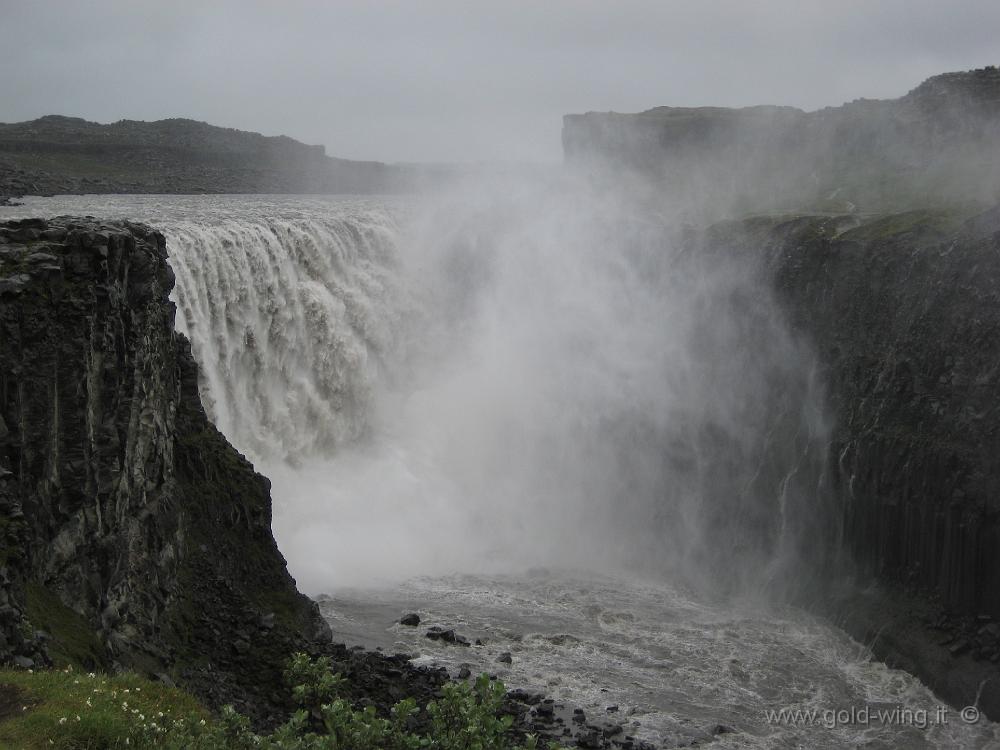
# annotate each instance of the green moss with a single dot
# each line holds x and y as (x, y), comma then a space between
(923, 221)
(287, 606)
(73, 640)
(75, 710)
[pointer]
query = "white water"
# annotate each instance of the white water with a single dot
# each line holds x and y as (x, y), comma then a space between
(527, 379)
(675, 666)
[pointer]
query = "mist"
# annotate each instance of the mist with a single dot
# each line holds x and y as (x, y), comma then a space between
(579, 373)
(513, 374)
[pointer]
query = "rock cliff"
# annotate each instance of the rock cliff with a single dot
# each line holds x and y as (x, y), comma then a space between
(133, 534)
(903, 311)
(938, 144)
(872, 224)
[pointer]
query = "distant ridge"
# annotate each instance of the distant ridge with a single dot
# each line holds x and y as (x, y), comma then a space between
(940, 143)
(56, 155)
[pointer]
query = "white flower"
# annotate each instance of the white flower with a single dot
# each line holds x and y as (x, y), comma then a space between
(62, 720)
(202, 722)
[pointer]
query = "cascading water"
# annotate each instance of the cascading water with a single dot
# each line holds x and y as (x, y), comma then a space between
(288, 318)
(445, 396)
(521, 377)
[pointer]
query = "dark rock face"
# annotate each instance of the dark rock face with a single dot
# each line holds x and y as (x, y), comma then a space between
(904, 312)
(901, 307)
(907, 315)
(132, 532)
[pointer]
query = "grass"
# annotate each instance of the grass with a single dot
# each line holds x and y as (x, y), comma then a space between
(73, 641)
(882, 227)
(74, 710)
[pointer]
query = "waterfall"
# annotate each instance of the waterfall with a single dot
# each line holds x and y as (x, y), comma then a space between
(511, 376)
(288, 320)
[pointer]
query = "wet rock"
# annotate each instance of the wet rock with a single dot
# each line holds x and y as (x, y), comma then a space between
(35, 259)
(525, 696)
(13, 285)
(54, 234)
(611, 730)
(410, 620)
(991, 631)
(545, 708)
(959, 648)
(447, 636)
(505, 658)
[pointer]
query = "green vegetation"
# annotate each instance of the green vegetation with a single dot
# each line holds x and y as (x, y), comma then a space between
(940, 221)
(73, 642)
(86, 711)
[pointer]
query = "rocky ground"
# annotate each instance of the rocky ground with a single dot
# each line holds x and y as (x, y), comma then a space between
(381, 681)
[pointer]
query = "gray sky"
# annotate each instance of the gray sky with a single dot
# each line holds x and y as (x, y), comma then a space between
(451, 80)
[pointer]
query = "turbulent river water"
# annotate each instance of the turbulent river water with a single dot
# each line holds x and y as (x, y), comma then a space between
(522, 418)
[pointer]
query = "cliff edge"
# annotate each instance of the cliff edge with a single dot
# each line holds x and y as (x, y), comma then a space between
(903, 313)
(131, 533)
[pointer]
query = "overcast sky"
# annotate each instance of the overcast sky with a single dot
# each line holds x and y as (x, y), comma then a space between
(466, 80)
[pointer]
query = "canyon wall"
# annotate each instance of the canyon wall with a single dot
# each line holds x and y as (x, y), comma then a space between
(131, 533)
(873, 224)
(903, 312)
